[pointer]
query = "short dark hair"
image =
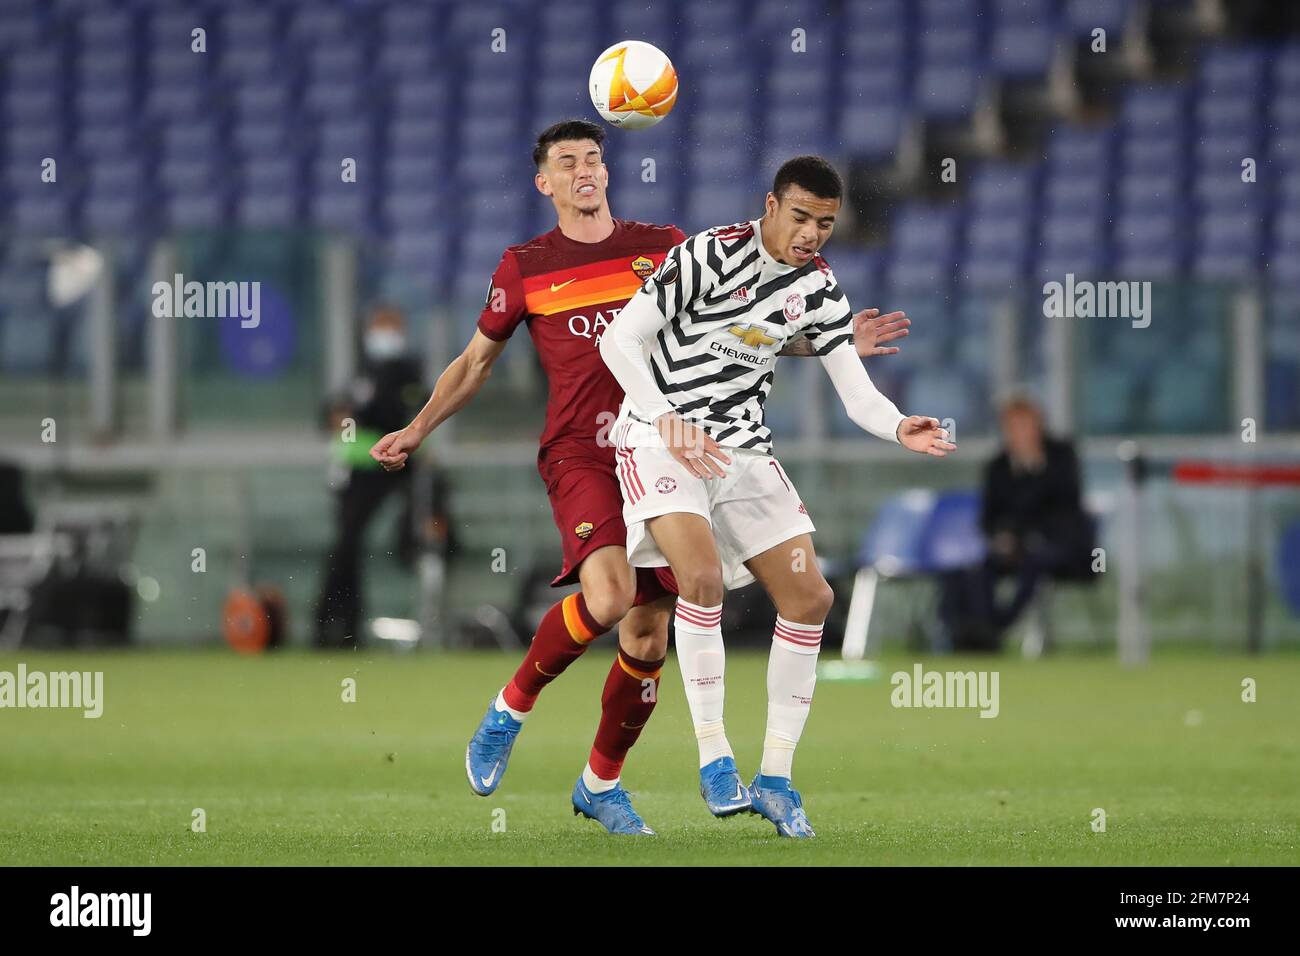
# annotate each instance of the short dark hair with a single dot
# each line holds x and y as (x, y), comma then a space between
(811, 173)
(567, 129)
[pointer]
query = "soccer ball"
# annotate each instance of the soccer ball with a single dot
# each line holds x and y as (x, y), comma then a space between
(633, 85)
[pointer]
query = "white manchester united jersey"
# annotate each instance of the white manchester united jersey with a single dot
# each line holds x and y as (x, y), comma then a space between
(731, 308)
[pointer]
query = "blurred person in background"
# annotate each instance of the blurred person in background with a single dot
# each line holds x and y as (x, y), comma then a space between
(1032, 512)
(1035, 527)
(384, 396)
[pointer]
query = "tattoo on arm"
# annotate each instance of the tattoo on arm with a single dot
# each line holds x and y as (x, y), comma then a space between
(797, 346)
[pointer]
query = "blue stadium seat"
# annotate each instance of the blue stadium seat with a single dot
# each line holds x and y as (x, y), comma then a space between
(240, 61)
(1021, 50)
(29, 70)
(708, 206)
(246, 25)
(894, 544)
(179, 101)
(419, 99)
(871, 85)
(953, 538)
(410, 58)
(1234, 69)
(186, 210)
(871, 132)
(112, 66)
(724, 90)
(113, 213)
(263, 101)
(310, 23)
(1147, 155)
(1229, 245)
(414, 210)
(269, 210)
(947, 91)
(876, 15)
(334, 97)
(27, 146)
(1023, 11)
(1224, 114)
(1084, 16)
(885, 47)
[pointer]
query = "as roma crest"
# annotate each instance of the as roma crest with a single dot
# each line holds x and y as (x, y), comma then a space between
(643, 266)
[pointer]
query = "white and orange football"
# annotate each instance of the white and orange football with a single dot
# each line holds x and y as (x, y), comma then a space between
(633, 85)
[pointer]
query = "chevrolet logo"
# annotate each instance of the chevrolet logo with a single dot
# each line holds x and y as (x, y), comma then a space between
(754, 338)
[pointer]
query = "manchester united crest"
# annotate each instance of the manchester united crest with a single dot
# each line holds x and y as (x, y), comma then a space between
(793, 306)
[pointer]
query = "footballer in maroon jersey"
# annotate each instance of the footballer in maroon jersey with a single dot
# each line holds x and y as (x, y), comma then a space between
(568, 292)
(568, 285)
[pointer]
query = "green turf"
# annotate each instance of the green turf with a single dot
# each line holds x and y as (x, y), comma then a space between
(289, 774)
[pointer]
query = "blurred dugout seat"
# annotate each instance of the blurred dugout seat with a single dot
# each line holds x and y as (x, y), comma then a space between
(920, 534)
(913, 535)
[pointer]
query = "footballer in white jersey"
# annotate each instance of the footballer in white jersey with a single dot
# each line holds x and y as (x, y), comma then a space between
(695, 351)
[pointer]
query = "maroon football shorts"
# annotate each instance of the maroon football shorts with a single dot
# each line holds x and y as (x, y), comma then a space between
(588, 510)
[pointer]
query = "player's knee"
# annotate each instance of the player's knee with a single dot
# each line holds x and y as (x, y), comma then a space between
(811, 604)
(701, 585)
(649, 645)
(609, 601)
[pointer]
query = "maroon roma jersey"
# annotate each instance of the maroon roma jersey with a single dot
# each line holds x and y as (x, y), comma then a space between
(568, 292)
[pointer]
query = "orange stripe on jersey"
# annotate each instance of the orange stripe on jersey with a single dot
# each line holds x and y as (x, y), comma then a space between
(573, 620)
(613, 288)
(610, 280)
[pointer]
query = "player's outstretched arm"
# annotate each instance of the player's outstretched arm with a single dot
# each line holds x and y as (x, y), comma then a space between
(873, 412)
(871, 331)
(455, 387)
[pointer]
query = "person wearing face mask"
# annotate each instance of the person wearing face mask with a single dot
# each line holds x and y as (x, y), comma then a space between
(386, 393)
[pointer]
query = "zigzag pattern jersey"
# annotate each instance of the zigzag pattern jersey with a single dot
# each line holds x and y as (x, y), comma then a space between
(731, 308)
(568, 292)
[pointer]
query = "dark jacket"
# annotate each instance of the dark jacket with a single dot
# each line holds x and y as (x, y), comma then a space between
(1047, 503)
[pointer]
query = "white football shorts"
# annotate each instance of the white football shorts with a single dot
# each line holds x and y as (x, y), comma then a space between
(754, 508)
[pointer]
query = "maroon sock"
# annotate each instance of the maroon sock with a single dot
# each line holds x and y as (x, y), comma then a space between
(561, 638)
(631, 691)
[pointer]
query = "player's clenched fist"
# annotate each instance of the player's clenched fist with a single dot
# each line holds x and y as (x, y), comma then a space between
(692, 447)
(924, 436)
(393, 449)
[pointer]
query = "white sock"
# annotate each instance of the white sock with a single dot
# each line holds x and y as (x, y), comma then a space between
(519, 715)
(791, 676)
(703, 661)
(596, 784)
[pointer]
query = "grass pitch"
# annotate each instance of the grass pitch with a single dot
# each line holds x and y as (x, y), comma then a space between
(287, 773)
